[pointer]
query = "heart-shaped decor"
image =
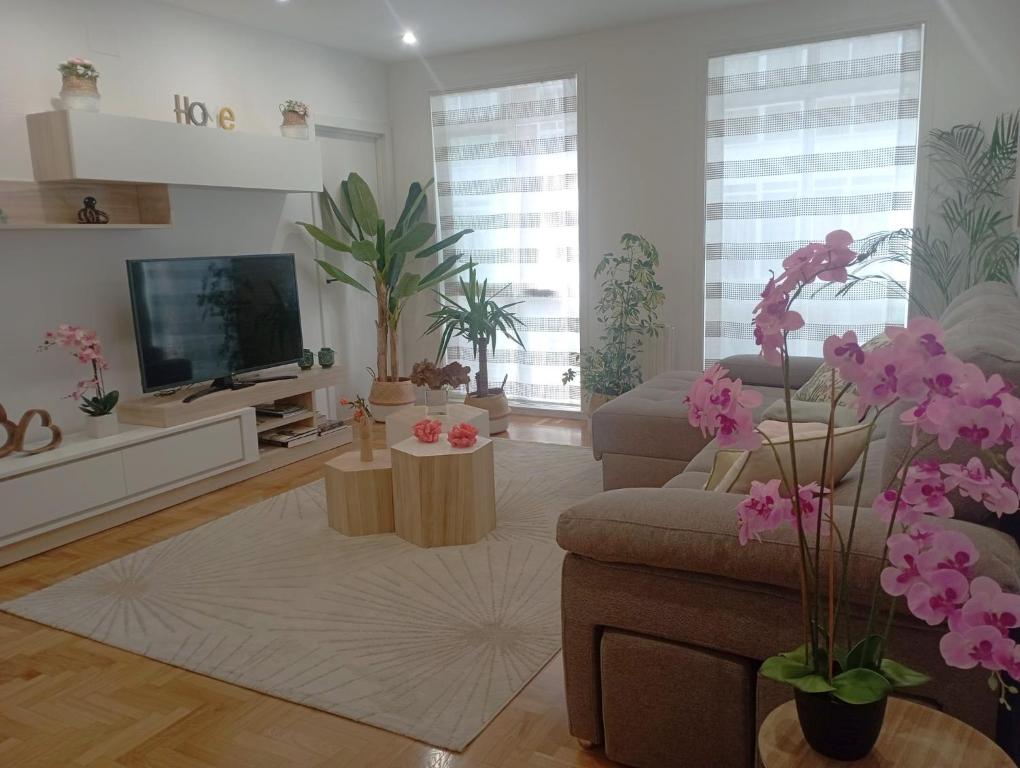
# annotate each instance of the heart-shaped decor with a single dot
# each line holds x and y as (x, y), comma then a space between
(45, 421)
(11, 429)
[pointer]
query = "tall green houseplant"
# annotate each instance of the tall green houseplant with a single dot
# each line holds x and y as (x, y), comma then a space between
(362, 232)
(971, 237)
(628, 312)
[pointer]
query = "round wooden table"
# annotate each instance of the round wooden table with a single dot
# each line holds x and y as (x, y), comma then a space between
(913, 736)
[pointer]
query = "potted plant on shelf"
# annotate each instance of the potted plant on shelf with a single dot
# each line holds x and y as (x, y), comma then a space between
(384, 253)
(842, 673)
(78, 90)
(438, 381)
(480, 320)
(628, 312)
(295, 119)
(85, 346)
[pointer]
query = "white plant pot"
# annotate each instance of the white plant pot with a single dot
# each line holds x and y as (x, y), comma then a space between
(102, 426)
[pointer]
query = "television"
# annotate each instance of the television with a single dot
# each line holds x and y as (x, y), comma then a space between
(201, 319)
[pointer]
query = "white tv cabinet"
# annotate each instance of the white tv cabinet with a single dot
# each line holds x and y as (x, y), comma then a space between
(87, 485)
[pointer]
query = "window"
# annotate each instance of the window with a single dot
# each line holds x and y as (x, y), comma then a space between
(800, 141)
(506, 167)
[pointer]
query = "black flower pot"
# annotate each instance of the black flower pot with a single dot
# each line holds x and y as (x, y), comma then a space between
(836, 729)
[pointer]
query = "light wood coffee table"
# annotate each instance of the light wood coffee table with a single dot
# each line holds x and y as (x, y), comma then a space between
(913, 736)
(443, 495)
(359, 494)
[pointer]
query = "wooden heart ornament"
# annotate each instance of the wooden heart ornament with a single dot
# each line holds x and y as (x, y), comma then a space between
(45, 421)
(10, 430)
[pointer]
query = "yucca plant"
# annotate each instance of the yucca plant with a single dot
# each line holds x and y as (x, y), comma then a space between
(480, 320)
(384, 252)
(973, 240)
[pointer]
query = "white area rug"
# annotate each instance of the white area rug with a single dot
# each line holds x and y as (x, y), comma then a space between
(430, 643)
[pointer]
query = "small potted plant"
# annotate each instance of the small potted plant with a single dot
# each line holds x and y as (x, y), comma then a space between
(295, 119)
(480, 320)
(628, 312)
(362, 417)
(85, 346)
(438, 382)
(79, 84)
(356, 227)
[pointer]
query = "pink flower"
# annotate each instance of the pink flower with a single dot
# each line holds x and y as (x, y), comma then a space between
(888, 502)
(939, 596)
(903, 573)
(843, 353)
(984, 646)
(427, 430)
(927, 496)
(983, 426)
(922, 533)
(462, 435)
(811, 506)
(887, 375)
(976, 482)
(948, 550)
(720, 406)
(764, 509)
(835, 256)
(921, 334)
(989, 605)
(773, 319)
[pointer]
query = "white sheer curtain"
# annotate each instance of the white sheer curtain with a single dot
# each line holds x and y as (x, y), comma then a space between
(800, 141)
(506, 166)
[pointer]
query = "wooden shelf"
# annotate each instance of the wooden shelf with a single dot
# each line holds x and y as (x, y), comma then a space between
(75, 145)
(268, 423)
(55, 205)
(170, 410)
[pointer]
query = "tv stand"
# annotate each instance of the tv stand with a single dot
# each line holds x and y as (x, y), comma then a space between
(229, 382)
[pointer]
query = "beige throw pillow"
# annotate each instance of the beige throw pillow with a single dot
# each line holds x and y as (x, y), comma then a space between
(734, 471)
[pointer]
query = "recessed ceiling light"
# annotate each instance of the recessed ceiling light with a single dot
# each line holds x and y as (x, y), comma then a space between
(409, 38)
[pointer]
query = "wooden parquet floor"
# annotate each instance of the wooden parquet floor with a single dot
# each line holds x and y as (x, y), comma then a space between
(66, 701)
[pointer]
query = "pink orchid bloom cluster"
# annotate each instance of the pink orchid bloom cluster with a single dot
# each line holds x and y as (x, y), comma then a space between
(773, 317)
(427, 430)
(948, 402)
(85, 346)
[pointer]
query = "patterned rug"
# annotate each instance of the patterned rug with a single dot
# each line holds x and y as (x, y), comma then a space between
(429, 643)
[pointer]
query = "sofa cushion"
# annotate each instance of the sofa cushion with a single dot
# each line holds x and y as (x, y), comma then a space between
(755, 371)
(651, 419)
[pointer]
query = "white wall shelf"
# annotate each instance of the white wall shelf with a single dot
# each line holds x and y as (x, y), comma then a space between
(74, 145)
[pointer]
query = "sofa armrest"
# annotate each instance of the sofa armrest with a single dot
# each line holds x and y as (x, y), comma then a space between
(695, 531)
(754, 371)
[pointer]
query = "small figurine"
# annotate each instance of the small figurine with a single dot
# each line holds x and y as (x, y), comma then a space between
(90, 214)
(327, 357)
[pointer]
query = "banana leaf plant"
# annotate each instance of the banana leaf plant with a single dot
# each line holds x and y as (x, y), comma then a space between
(479, 320)
(358, 229)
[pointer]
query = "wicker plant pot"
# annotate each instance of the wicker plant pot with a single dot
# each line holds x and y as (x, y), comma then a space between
(294, 125)
(79, 93)
(496, 404)
(389, 396)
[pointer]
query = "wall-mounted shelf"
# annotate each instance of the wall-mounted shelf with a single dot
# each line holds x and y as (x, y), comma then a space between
(55, 205)
(74, 145)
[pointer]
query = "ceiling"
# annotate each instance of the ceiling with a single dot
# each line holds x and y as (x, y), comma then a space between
(374, 27)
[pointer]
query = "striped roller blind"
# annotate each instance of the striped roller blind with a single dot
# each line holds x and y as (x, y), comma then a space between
(800, 141)
(506, 166)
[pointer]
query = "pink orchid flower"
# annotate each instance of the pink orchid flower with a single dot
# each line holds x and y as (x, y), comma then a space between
(902, 573)
(982, 645)
(927, 496)
(764, 509)
(948, 550)
(939, 596)
(989, 605)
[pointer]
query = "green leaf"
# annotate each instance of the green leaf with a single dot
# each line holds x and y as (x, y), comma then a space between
(406, 286)
(364, 251)
(860, 686)
(366, 212)
(866, 653)
(900, 676)
(811, 684)
(340, 275)
(444, 243)
(338, 214)
(325, 238)
(792, 672)
(414, 238)
(443, 271)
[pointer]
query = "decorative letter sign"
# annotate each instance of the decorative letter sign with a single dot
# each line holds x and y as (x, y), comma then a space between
(196, 113)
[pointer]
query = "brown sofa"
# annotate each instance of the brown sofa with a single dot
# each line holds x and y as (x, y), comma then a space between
(667, 618)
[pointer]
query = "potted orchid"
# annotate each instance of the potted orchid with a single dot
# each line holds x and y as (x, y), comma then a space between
(362, 417)
(295, 119)
(841, 680)
(85, 346)
(79, 84)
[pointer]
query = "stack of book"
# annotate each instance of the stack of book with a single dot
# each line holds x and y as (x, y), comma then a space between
(293, 435)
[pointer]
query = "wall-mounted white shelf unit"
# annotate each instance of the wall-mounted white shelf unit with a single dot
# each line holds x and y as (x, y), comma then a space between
(74, 145)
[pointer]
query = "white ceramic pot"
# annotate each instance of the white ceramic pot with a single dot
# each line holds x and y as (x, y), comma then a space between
(102, 426)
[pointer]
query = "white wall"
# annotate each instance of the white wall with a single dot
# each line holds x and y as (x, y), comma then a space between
(642, 93)
(147, 52)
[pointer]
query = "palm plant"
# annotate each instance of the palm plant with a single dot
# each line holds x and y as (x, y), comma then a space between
(384, 252)
(479, 320)
(973, 241)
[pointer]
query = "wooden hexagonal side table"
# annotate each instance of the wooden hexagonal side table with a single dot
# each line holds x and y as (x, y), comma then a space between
(443, 495)
(359, 494)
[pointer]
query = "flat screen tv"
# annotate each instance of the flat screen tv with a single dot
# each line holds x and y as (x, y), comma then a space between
(211, 318)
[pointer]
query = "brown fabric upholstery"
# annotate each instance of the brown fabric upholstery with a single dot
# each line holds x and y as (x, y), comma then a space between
(643, 677)
(755, 372)
(620, 470)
